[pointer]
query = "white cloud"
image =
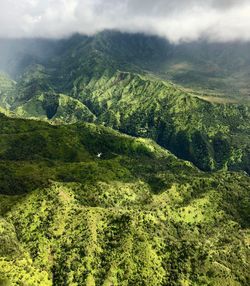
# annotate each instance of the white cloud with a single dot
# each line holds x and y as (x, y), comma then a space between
(219, 20)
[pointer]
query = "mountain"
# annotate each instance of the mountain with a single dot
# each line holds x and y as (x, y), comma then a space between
(136, 215)
(215, 68)
(57, 108)
(124, 160)
(210, 132)
(7, 91)
(210, 135)
(112, 78)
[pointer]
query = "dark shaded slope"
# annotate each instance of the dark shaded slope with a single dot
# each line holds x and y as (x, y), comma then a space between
(221, 68)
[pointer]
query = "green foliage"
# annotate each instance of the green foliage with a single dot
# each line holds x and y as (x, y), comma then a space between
(7, 91)
(135, 216)
(102, 79)
(177, 120)
(55, 108)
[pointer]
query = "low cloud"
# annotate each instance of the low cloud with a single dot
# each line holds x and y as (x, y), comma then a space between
(176, 20)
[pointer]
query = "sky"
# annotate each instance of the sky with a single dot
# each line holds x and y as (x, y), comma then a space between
(176, 20)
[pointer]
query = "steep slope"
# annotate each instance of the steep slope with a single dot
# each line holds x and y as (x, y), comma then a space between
(57, 108)
(135, 216)
(217, 68)
(32, 97)
(213, 136)
(7, 91)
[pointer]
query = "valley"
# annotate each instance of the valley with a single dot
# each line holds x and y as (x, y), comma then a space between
(124, 160)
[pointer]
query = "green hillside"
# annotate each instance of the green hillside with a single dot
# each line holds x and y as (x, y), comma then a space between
(135, 216)
(57, 108)
(220, 69)
(7, 91)
(112, 78)
(124, 160)
(211, 135)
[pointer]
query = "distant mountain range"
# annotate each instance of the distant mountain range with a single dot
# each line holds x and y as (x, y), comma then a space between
(220, 68)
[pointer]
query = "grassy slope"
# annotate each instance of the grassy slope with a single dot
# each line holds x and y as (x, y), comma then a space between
(136, 216)
(220, 69)
(32, 97)
(57, 108)
(7, 91)
(213, 136)
(216, 68)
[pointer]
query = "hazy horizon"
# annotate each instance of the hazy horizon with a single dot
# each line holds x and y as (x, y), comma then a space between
(190, 20)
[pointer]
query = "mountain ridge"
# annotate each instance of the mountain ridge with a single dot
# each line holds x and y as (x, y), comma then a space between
(113, 172)
(220, 68)
(145, 106)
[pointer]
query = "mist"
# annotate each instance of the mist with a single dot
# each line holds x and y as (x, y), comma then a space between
(179, 20)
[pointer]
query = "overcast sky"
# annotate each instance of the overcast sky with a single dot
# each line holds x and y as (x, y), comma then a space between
(217, 20)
